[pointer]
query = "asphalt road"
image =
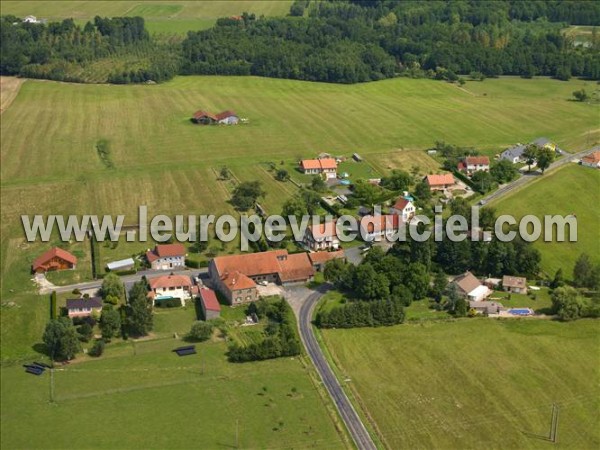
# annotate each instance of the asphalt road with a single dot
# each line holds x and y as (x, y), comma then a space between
(527, 177)
(357, 430)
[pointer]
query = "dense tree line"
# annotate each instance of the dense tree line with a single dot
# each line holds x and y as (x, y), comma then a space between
(349, 42)
(362, 314)
(281, 336)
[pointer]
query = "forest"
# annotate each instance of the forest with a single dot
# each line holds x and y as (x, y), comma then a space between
(332, 41)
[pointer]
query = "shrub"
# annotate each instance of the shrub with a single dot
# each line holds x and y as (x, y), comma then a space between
(200, 331)
(76, 292)
(97, 349)
(85, 332)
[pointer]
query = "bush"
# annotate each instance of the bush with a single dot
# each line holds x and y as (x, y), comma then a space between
(200, 331)
(85, 332)
(126, 272)
(374, 313)
(76, 292)
(97, 349)
(170, 303)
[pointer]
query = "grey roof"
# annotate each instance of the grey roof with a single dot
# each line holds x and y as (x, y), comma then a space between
(115, 265)
(542, 141)
(92, 302)
(514, 152)
(488, 307)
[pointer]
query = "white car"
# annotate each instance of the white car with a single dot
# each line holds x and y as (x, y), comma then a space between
(263, 283)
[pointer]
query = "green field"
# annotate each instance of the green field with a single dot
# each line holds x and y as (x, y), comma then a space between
(474, 383)
(170, 17)
(154, 399)
(570, 190)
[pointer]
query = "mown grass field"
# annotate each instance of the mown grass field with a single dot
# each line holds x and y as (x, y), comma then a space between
(474, 383)
(572, 189)
(153, 399)
(168, 17)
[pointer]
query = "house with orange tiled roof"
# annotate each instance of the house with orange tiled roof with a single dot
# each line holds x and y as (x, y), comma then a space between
(591, 160)
(374, 228)
(321, 236)
(166, 257)
(319, 259)
(326, 166)
(168, 287)
(54, 259)
(403, 208)
(440, 182)
(236, 276)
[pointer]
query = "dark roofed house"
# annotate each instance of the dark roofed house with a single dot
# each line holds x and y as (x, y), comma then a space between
(166, 256)
(210, 305)
(84, 307)
(54, 259)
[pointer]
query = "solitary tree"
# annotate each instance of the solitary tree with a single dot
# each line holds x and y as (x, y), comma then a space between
(60, 338)
(282, 175)
(530, 155)
(139, 311)
(110, 324)
(581, 95)
(225, 173)
(112, 287)
(318, 184)
(200, 331)
(545, 158)
(566, 304)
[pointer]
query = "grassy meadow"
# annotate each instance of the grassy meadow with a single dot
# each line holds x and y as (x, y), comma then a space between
(473, 383)
(572, 189)
(167, 17)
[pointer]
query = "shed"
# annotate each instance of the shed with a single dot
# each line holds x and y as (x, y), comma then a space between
(122, 264)
(357, 157)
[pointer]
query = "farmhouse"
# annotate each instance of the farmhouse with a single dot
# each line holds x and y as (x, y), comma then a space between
(207, 118)
(209, 303)
(470, 287)
(440, 182)
(518, 285)
(322, 236)
(84, 307)
(376, 227)
(473, 164)
(327, 166)
(166, 256)
(231, 274)
(591, 160)
(404, 208)
(514, 154)
(319, 259)
(168, 287)
(54, 259)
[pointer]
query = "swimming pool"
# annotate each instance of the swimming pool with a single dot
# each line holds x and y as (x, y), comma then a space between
(521, 312)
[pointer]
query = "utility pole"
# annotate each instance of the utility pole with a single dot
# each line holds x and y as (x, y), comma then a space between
(52, 385)
(237, 433)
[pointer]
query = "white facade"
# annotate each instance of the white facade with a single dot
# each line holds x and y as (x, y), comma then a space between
(168, 262)
(406, 213)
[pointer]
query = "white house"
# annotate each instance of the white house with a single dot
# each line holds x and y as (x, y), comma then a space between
(471, 288)
(167, 287)
(326, 166)
(374, 228)
(473, 164)
(403, 208)
(322, 236)
(166, 257)
(514, 154)
(227, 118)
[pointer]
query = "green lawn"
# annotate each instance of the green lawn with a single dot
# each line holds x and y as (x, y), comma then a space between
(570, 190)
(154, 399)
(161, 17)
(474, 383)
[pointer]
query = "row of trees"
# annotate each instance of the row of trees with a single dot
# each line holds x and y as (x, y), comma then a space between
(281, 336)
(362, 314)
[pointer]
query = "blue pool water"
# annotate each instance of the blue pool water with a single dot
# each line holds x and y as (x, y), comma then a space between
(520, 312)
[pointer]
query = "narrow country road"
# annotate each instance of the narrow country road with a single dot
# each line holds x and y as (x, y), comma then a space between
(357, 430)
(501, 192)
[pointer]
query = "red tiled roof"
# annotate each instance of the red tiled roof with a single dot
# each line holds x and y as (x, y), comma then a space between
(200, 114)
(224, 115)
(593, 158)
(440, 180)
(209, 299)
(324, 163)
(321, 257)
(296, 267)
(323, 230)
(165, 250)
(477, 160)
(264, 263)
(167, 281)
(401, 203)
(380, 222)
(236, 280)
(54, 253)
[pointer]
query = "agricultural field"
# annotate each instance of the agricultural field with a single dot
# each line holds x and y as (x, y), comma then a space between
(569, 190)
(166, 17)
(473, 383)
(197, 401)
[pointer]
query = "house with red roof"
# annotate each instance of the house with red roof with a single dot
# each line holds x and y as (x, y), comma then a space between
(209, 303)
(166, 257)
(54, 259)
(326, 166)
(472, 164)
(206, 118)
(403, 208)
(374, 228)
(440, 182)
(591, 160)
(236, 276)
(319, 259)
(321, 236)
(168, 287)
